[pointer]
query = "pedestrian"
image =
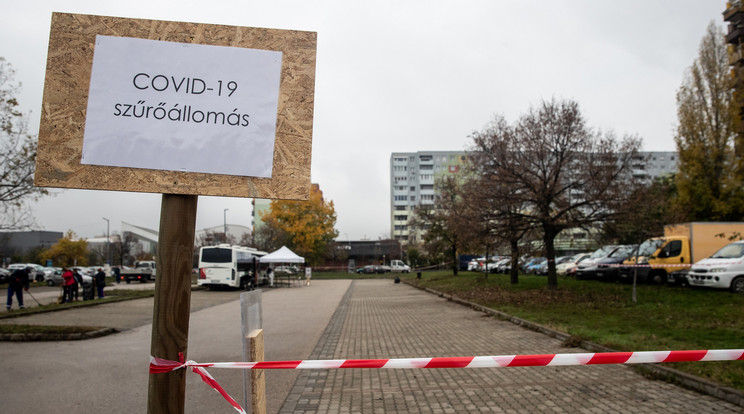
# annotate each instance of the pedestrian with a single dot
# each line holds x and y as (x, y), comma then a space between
(78, 279)
(16, 285)
(117, 274)
(100, 279)
(270, 275)
(68, 281)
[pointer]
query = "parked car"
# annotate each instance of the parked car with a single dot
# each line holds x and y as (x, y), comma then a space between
(369, 269)
(569, 266)
(588, 266)
(475, 264)
(532, 267)
(504, 266)
(4, 275)
(542, 269)
(54, 278)
(608, 268)
(723, 270)
(38, 274)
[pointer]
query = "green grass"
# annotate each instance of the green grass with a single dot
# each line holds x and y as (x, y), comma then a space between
(664, 317)
(111, 296)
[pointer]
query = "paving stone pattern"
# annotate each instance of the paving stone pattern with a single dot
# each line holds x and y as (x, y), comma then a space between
(379, 319)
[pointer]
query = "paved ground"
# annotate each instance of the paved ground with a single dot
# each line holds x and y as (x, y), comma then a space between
(334, 320)
(378, 319)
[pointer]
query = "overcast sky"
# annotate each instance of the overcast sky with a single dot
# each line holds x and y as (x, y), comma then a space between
(405, 76)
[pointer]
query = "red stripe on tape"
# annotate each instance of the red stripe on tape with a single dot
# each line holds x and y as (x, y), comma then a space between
(364, 363)
(531, 360)
(610, 358)
(456, 362)
(277, 365)
(679, 356)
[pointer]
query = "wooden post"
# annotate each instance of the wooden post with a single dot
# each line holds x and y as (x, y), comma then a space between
(170, 321)
(258, 377)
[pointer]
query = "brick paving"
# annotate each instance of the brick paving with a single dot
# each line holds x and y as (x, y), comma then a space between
(379, 319)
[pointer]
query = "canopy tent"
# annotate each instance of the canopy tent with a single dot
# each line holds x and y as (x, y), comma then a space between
(283, 255)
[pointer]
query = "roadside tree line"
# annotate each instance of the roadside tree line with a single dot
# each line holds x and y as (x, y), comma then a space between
(548, 171)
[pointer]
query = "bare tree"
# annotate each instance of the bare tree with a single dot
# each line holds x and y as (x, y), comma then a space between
(559, 173)
(17, 156)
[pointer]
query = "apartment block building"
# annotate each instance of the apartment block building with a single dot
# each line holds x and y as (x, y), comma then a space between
(413, 176)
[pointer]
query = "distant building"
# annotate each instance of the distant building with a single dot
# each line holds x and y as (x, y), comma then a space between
(413, 176)
(140, 241)
(236, 234)
(17, 243)
(354, 254)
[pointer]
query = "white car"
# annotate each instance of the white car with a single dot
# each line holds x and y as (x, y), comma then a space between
(723, 270)
(570, 265)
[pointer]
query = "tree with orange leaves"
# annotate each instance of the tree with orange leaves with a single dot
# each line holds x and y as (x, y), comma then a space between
(305, 227)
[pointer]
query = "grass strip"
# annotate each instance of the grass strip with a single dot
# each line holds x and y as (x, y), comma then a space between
(663, 318)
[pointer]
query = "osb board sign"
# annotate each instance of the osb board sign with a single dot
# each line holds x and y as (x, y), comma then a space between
(182, 119)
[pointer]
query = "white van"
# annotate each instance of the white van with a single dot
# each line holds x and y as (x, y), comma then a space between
(723, 270)
(397, 266)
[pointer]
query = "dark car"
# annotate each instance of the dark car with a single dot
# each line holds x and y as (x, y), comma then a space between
(607, 268)
(369, 269)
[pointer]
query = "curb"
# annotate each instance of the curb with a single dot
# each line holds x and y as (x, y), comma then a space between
(36, 337)
(671, 375)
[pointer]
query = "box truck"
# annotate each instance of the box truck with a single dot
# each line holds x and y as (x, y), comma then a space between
(661, 258)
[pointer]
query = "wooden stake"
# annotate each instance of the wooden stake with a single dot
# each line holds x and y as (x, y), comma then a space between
(170, 321)
(258, 377)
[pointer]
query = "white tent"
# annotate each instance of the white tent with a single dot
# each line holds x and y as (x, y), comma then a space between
(283, 255)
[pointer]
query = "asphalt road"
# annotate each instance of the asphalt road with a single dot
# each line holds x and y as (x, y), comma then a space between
(110, 374)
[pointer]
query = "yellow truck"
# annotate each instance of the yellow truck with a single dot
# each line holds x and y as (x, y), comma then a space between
(661, 258)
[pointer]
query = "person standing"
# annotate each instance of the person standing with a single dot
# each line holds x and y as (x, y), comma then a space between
(77, 284)
(68, 280)
(100, 280)
(117, 274)
(16, 285)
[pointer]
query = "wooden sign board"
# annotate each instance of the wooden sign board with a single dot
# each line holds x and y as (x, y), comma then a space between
(77, 152)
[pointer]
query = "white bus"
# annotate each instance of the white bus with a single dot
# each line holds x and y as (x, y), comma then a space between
(226, 265)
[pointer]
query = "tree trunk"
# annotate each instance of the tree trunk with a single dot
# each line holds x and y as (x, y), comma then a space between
(548, 239)
(514, 271)
(455, 262)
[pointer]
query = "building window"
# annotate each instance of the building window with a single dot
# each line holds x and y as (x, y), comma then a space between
(401, 198)
(401, 217)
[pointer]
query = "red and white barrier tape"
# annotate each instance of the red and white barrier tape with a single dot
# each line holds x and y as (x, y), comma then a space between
(662, 265)
(159, 366)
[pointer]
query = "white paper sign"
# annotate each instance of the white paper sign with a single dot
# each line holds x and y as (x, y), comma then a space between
(182, 107)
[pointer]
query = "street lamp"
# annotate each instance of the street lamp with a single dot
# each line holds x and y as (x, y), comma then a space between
(108, 240)
(224, 216)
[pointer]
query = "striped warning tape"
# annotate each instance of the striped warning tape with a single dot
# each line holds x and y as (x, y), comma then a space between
(159, 366)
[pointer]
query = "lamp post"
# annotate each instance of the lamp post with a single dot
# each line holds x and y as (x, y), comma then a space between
(108, 240)
(224, 217)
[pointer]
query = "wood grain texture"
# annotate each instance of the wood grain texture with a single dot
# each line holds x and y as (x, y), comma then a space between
(68, 72)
